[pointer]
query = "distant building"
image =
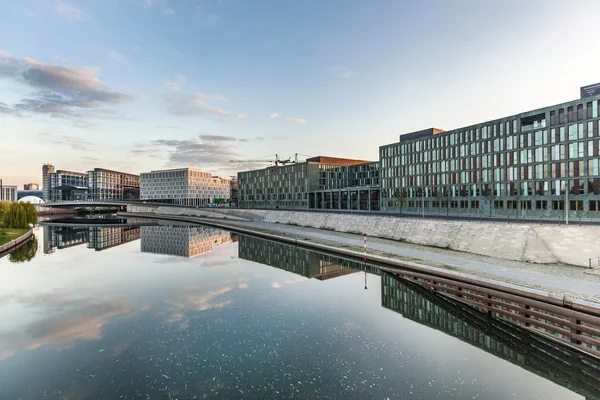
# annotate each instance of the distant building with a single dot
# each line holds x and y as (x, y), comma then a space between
(184, 186)
(105, 184)
(318, 183)
(8, 192)
(97, 184)
(31, 186)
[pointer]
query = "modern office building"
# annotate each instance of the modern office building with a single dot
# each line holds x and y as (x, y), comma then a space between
(182, 241)
(184, 186)
(8, 192)
(542, 163)
(105, 184)
(319, 182)
(31, 186)
(97, 184)
(536, 163)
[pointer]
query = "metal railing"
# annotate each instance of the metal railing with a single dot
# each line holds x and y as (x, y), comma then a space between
(565, 323)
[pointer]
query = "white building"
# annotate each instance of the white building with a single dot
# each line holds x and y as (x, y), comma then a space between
(185, 186)
(8, 193)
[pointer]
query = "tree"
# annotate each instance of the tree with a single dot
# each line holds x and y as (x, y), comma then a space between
(20, 215)
(25, 252)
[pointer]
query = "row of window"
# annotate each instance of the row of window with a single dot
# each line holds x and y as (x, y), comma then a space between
(556, 205)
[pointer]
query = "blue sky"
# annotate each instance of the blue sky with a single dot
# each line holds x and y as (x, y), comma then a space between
(136, 85)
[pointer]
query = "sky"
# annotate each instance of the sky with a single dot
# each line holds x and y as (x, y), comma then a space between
(140, 85)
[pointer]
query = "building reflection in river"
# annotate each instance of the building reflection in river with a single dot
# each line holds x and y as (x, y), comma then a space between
(182, 241)
(297, 260)
(98, 238)
(569, 368)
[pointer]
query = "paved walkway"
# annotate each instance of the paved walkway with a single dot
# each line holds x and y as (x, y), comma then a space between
(560, 279)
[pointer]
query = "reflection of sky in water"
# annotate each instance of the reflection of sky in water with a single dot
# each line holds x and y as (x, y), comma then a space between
(120, 323)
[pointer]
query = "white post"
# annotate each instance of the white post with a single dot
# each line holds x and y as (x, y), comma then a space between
(567, 204)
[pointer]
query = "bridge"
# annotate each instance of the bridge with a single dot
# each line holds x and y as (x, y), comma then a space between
(92, 203)
(85, 225)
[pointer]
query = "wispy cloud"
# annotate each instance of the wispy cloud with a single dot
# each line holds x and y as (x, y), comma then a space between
(192, 104)
(342, 71)
(168, 127)
(276, 285)
(69, 12)
(117, 57)
(274, 116)
(206, 18)
(74, 142)
(256, 139)
(217, 138)
(169, 12)
(301, 121)
(241, 116)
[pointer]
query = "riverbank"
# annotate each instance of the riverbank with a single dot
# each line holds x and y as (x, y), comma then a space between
(524, 242)
(11, 238)
(554, 280)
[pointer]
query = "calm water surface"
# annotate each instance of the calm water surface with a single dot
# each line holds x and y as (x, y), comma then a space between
(159, 312)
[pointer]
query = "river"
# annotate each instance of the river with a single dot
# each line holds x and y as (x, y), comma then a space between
(188, 312)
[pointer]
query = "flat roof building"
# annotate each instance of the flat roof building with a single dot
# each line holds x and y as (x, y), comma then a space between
(184, 186)
(97, 184)
(319, 182)
(536, 163)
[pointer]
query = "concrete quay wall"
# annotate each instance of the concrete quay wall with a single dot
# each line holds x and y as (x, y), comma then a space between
(543, 244)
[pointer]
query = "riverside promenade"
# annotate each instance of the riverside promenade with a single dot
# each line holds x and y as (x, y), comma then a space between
(557, 280)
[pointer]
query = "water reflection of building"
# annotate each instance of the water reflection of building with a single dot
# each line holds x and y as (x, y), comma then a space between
(97, 238)
(296, 260)
(543, 357)
(105, 238)
(183, 241)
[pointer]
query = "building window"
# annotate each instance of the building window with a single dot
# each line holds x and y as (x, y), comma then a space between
(498, 204)
(576, 205)
(594, 205)
(558, 205)
(526, 205)
(475, 204)
(464, 204)
(541, 205)
(511, 204)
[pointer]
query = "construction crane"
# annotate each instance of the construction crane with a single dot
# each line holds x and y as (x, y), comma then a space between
(277, 160)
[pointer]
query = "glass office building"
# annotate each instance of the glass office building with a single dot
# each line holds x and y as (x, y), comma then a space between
(539, 163)
(318, 183)
(105, 184)
(98, 184)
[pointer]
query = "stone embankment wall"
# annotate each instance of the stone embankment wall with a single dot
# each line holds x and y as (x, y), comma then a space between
(544, 244)
(4, 249)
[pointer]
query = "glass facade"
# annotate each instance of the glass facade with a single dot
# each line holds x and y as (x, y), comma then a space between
(318, 183)
(523, 165)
